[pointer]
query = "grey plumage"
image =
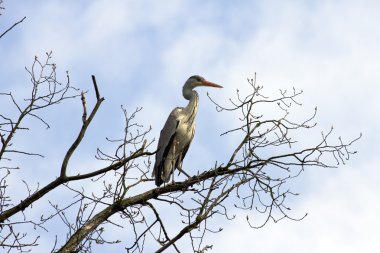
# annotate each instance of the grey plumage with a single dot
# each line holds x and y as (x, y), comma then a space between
(178, 132)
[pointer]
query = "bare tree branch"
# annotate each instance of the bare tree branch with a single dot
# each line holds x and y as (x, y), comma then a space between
(82, 132)
(254, 179)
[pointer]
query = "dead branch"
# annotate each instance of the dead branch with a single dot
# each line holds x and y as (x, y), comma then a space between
(255, 178)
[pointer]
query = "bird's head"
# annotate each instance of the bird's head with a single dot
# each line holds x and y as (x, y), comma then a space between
(195, 81)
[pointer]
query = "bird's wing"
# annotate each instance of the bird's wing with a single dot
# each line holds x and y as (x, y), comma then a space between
(186, 148)
(165, 142)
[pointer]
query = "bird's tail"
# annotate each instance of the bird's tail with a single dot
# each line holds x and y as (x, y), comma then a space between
(157, 171)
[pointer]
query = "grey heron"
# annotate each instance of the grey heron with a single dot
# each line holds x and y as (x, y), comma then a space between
(178, 132)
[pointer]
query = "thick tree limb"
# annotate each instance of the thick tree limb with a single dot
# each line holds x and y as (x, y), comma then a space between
(139, 199)
(61, 180)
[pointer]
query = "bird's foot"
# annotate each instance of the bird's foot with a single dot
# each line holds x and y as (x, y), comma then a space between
(181, 171)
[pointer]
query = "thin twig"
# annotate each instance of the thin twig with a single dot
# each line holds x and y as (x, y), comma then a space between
(10, 28)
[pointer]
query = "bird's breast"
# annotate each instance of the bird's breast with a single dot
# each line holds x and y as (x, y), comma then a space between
(184, 133)
(183, 129)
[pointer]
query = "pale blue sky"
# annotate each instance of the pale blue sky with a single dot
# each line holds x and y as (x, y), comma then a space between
(142, 52)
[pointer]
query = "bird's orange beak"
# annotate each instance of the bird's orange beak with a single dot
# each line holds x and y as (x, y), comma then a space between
(210, 84)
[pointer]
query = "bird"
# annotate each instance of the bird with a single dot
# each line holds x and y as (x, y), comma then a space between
(178, 132)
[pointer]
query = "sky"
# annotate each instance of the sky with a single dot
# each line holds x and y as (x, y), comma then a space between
(142, 52)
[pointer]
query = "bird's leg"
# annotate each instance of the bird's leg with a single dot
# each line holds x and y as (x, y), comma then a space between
(173, 177)
(173, 163)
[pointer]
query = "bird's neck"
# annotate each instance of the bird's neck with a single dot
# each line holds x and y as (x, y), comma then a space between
(192, 106)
